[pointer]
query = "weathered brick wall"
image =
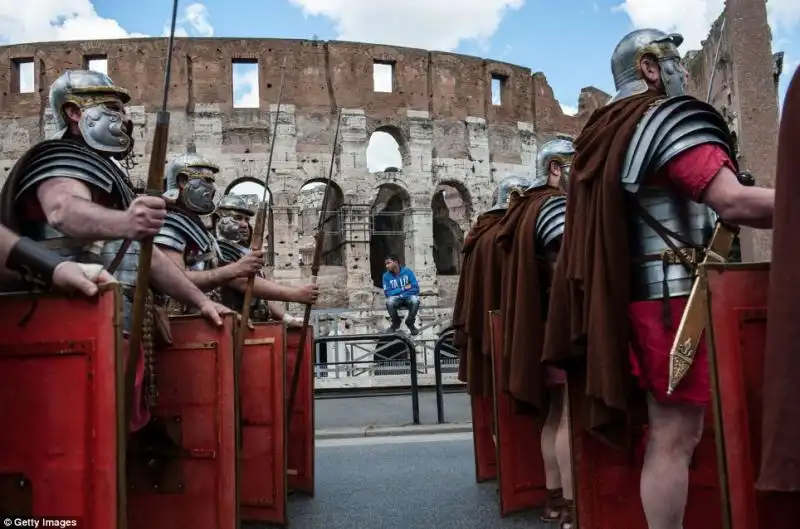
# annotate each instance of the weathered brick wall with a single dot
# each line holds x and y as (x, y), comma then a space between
(440, 111)
(744, 91)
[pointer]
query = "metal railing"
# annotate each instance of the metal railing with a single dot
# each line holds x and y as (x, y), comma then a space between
(384, 362)
(444, 346)
(394, 354)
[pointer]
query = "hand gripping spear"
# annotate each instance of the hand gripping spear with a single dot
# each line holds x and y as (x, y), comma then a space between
(319, 239)
(257, 240)
(693, 320)
(155, 179)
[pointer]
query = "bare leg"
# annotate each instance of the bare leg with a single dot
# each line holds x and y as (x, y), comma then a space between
(563, 445)
(674, 432)
(552, 474)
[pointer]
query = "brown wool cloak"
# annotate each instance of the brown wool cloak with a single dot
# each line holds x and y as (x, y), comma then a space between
(590, 294)
(521, 304)
(478, 293)
(780, 456)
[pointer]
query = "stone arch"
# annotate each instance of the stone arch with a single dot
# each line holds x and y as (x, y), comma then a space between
(388, 227)
(451, 205)
(387, 150)
(309, 201)
(253, 190)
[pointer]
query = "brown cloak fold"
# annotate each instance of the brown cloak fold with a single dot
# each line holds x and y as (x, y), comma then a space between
(780, 455)
(522, 294)
(478, 293)
(590, 294)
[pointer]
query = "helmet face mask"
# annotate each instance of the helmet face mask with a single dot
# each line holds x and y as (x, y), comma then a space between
(194, 177)
(662, 47)
(103, 123)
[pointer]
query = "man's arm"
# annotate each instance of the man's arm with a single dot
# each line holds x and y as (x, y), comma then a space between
(705, 174)
(171, 279)
(263, 289)
(68, 206)
(205, 280)
(412, 279)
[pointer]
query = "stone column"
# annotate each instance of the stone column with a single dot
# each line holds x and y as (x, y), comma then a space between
(748, 37)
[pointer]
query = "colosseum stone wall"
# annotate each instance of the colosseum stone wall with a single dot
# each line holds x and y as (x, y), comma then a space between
(460, 123)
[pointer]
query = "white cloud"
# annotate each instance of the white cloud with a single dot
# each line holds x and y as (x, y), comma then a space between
(53, 20)
(383, 152)
(568, 110)
(48, 20)
(428, 24)
(693, 18)
(245, 86)
(195, 22)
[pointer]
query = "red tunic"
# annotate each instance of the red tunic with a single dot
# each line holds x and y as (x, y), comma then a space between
(689, 174)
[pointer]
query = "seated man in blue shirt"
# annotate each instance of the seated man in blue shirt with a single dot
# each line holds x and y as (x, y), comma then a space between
(402, 291)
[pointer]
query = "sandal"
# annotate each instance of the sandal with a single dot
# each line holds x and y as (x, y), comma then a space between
(553, 506)
(567, 520)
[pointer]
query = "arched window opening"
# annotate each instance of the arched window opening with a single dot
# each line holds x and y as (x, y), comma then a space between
(309, 202)
(383, 153)
(451, 213)
(387, 229)
(252, 190)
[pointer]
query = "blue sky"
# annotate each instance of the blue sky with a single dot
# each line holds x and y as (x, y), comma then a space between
(570, 40)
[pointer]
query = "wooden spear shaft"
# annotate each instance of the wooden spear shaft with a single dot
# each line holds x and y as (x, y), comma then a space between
(155, 179)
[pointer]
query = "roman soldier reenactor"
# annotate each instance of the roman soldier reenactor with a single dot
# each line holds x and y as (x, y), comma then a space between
(530, 238)
(39, 266)
(233, 231)
(185, 239)
(648, 167)
(479, 291)
(71, 194)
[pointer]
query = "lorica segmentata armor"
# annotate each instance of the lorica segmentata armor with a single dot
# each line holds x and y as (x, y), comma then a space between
(668, 232)
(551, 220)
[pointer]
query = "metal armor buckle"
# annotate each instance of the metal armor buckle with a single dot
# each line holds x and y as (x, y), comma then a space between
(687, 255)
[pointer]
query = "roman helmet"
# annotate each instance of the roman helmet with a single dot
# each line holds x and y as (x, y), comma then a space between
(229, 212)
(103, 124)
(508, 187)
(561, 151)
(628, 79)
(190, 177)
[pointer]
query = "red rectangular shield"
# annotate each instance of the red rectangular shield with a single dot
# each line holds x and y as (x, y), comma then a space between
(520, 467)
(61, 387)
(607, 479)
(263, 418)
(182, 465)
(738, 316)
(301, 437)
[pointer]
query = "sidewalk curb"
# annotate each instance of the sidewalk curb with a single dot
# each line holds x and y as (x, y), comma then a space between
(389, 431)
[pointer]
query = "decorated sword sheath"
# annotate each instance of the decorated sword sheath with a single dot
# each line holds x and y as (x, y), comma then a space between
(693, 320)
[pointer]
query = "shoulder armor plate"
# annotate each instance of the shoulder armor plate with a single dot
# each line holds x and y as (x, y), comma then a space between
(70, 159)
(670, 128)
(188, 228)
(230, 252)
(551, 220)
(170, 238)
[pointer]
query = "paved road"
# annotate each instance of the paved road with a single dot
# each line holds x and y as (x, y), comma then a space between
(388, 411)
(412, 482)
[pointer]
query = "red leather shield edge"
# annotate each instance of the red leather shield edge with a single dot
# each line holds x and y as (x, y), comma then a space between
(482, 438)
(606, 479)
(483, 428)
(738, 316)
(301, 437)
(262, 386)
(61, 395)
(195, 378)
(520, 471)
